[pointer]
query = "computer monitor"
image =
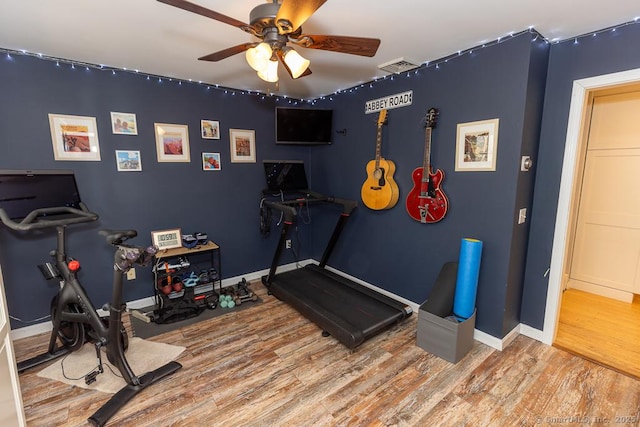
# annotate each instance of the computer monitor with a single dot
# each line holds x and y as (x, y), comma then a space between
(285, 175)
(23, 191)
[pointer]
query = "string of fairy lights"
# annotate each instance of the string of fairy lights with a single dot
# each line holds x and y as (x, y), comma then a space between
(436, 64)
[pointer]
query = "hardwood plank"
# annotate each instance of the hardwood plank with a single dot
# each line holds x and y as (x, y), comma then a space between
(269, 366)
(603, 330)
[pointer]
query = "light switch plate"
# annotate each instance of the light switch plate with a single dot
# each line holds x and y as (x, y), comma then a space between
(522, 216)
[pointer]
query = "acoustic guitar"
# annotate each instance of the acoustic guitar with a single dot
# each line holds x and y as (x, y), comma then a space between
(426, 202)
(380, 191)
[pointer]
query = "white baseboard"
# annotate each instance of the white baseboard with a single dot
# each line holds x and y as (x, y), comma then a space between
(29, 331)
(414, 306)
(47, 326)
(483, 337)
(480, 336)
(603, 291)
(532, 333)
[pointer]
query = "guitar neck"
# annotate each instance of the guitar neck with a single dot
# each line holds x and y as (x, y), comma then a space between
(378, 145)
(426, 162)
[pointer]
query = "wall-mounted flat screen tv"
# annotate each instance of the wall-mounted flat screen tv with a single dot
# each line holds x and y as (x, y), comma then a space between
(303, 126)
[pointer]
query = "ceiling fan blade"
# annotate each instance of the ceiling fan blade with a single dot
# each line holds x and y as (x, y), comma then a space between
(191, 7)
(293, 13)
(225, 53)
(345, 44)
(286, 67)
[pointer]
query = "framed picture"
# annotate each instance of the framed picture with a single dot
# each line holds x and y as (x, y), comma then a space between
(172, 142)
(128, 161)
(243, 146)
(167, 239)
(209, 129)
(124, 123)
(210, 161)
(74, 138)
(477, 146)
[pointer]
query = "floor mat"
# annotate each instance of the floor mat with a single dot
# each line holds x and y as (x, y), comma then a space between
(142, 355)
(147, 330)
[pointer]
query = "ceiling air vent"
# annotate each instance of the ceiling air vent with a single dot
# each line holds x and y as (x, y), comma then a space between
(399, 65)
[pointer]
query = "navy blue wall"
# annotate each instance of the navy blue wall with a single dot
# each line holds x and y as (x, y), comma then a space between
(525, 185)
(608, 52)
(225, 203)
(391, 250)
(385, 248)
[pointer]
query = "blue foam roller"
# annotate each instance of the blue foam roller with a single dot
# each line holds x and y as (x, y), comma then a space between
(464, 301)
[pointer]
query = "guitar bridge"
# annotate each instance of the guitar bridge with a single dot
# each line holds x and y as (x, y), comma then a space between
(423, 214)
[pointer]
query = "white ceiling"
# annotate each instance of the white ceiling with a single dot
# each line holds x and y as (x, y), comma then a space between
(162, 40)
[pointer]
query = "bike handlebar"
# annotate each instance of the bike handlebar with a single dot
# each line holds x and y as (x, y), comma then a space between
(127, 256)
(37, 219)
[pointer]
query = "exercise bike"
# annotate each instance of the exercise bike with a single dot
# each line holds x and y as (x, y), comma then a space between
(75, 320)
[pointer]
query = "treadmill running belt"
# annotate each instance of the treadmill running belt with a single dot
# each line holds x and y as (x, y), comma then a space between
(347, 310)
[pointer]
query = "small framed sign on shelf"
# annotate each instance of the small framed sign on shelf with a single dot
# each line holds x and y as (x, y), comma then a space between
(167, 239)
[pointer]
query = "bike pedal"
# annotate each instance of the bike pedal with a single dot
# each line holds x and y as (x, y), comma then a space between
(91, 377)
(49, 271)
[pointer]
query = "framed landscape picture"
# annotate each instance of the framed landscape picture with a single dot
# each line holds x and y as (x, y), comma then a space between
(128, 161)
(243, 145)
(172, 142)
(74, 138)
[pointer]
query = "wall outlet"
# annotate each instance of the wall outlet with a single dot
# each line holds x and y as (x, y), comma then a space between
(287, 243)
(131, 274)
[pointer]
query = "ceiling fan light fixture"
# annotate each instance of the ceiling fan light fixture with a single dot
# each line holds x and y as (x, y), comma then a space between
(259, 56)
(296, 63)
(270, 72)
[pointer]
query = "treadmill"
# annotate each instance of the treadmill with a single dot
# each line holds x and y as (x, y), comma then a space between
(342, 308)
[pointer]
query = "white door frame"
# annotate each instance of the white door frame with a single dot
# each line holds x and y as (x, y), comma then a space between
(579, 95)
(11, 406)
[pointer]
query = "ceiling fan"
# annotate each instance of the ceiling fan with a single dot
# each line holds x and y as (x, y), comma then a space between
(276, 24)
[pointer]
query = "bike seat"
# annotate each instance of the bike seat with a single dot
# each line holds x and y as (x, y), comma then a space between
(117, 236)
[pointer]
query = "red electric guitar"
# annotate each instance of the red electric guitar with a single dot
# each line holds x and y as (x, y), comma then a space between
(426, 202)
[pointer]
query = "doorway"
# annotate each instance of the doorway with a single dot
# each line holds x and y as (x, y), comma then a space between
(599, 319)
(582, 94)
(603, 252)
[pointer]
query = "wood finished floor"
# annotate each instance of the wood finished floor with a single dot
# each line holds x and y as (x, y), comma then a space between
(269, 366)
(601, 329)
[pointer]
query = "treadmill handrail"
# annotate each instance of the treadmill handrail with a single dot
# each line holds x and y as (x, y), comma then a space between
(289, 212)
(312, 197)
(34, 220)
